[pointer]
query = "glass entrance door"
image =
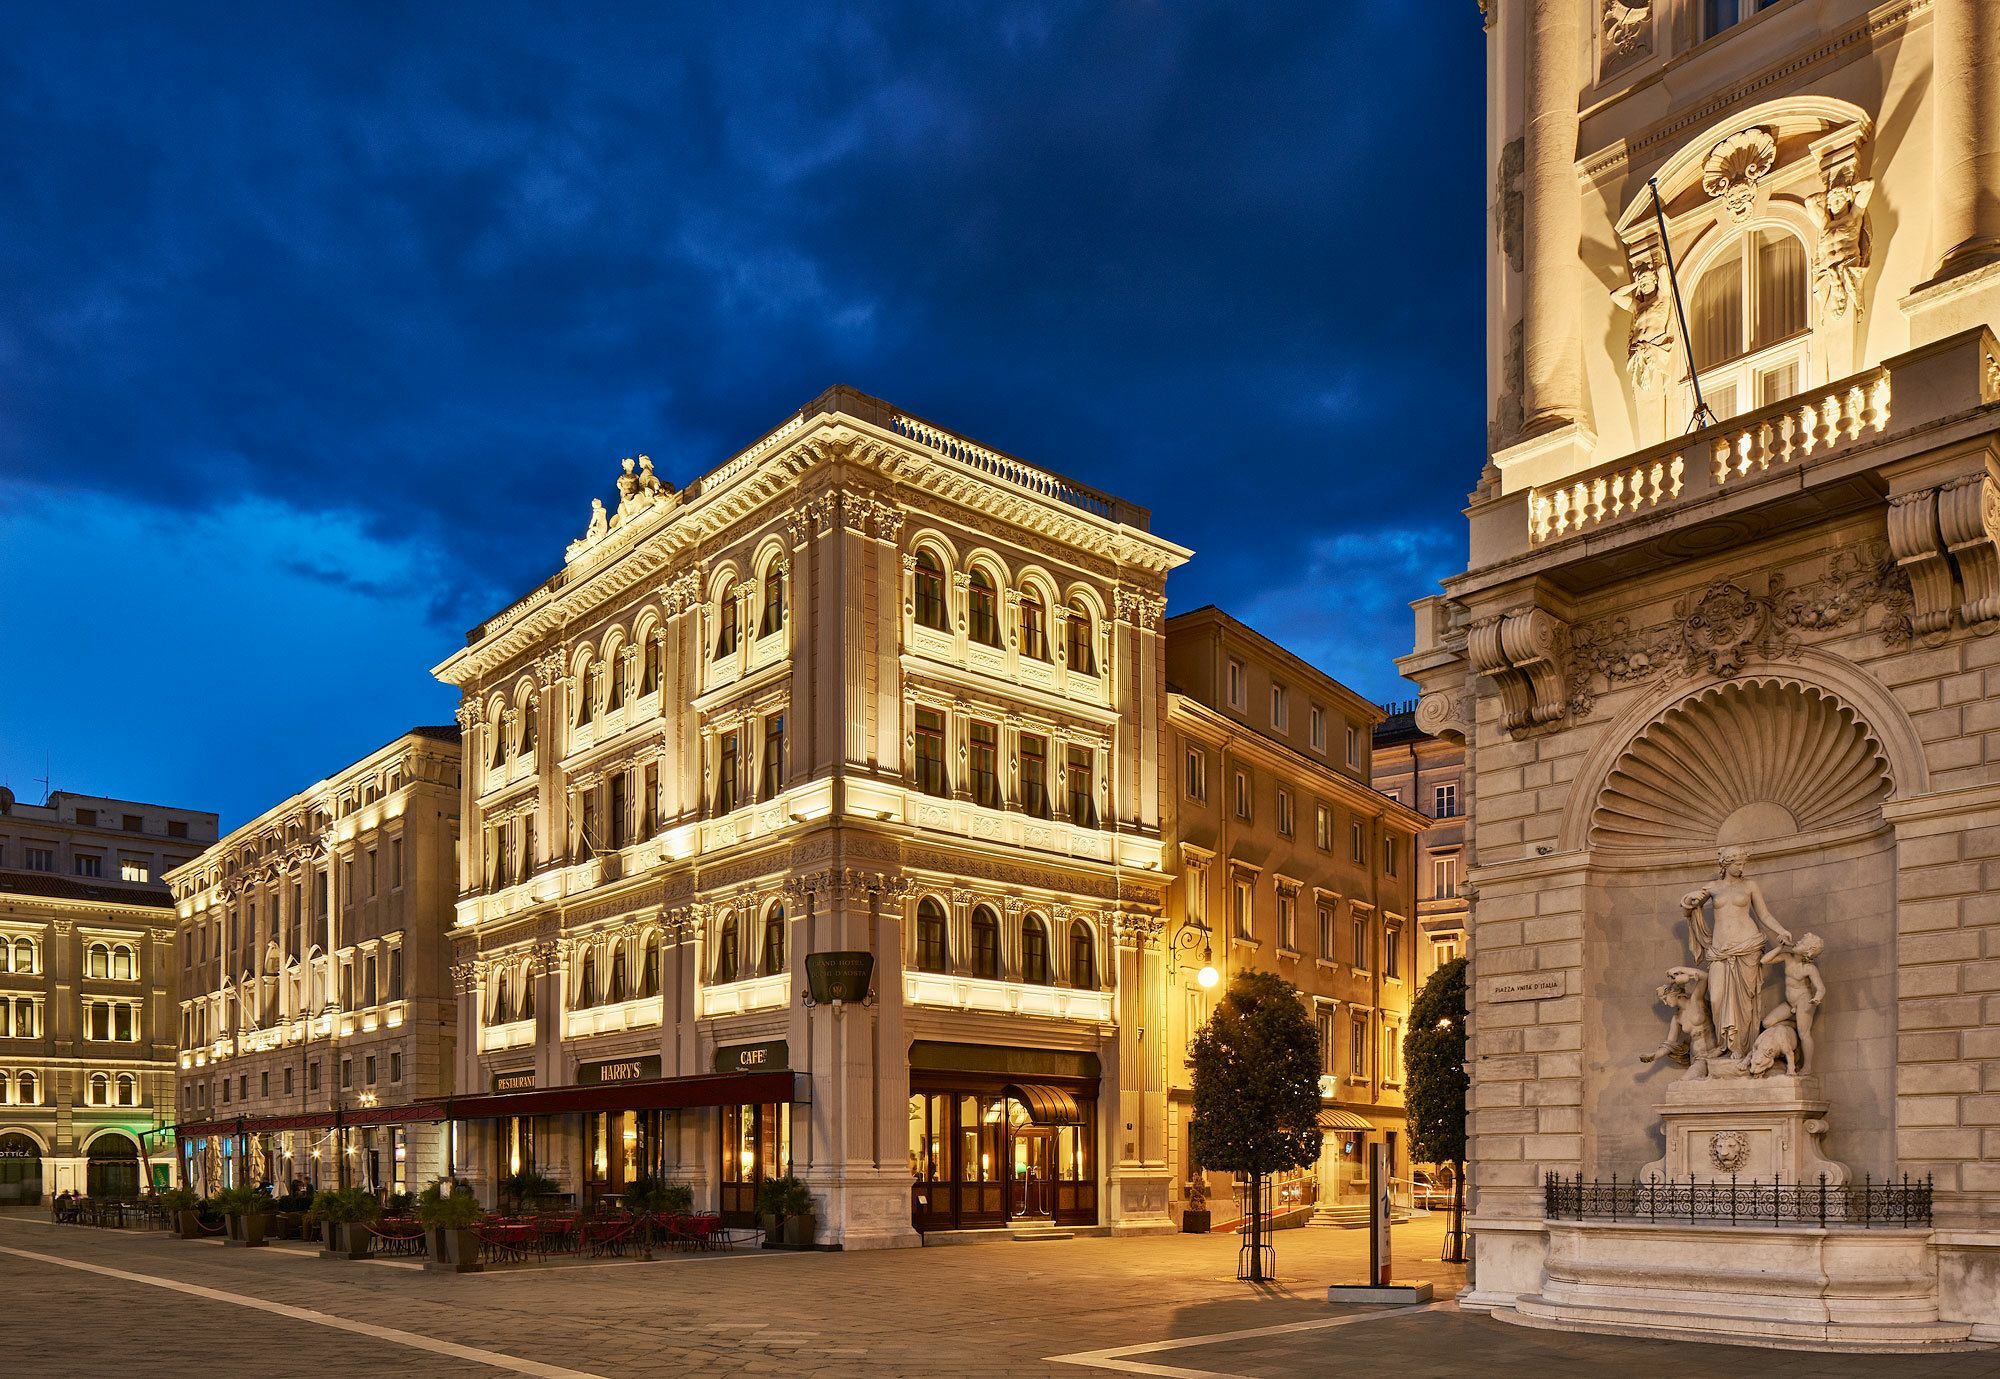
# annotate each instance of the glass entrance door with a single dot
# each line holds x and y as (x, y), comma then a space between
(1031, 1185)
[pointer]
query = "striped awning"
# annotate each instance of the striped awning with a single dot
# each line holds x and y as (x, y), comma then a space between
(1046, 1105)
(1331, 1119)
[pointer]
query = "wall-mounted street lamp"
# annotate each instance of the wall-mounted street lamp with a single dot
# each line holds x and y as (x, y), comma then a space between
(1189, 936)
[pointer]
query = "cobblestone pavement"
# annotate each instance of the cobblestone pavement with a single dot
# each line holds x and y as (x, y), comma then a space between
(107, 1304)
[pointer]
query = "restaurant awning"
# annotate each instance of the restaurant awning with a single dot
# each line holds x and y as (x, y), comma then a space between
(1331, 1119)
(1047, 1105)
(353, 1116)
(650, 1094)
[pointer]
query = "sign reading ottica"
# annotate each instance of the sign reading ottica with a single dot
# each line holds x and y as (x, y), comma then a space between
(1526, 986)
(618, 1070)
(772, 1056)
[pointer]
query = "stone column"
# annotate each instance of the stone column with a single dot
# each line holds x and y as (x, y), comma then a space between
(1965, 135)
(1552, 344)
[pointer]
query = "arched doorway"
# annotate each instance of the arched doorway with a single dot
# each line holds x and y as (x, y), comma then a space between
(114, 1166)
(20, 1170)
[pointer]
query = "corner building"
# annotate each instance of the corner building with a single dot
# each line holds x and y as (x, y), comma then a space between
(1768, 625)
(316, 1007)
(867, 688)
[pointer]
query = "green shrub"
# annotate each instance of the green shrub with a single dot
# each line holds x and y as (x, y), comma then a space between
(786, 1196)
(400, 1203)
(243, 1201)
(457, 1210)
(527, 1184)
(645, 1194)
(180, 1199)
(344, 1206)
(677, 1199)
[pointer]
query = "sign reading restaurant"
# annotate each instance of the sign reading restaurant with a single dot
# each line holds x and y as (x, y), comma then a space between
(618, 1070)
(523, 1081)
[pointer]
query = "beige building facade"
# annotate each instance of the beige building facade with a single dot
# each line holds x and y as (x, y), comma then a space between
(868, 695)
(1765, 627)
(316, 1017)
(87, 987)
(1288, 862)
(1427, 772)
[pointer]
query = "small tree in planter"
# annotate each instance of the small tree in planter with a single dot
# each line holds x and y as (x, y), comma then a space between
(646, 1197)
(344, 1215)
(183, 1206)
(249, 1214)
(448, 1218)
(1434, 1055)
(1256, 1094)
(771, 1212)
(801, 1221)
(523, 1188)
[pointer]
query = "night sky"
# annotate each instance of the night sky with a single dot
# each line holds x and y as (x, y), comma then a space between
(321, 328)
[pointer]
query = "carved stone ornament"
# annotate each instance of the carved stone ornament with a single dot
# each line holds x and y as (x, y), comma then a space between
(1729, 1150)
(1443, 711)
(1649, 344)
(1522, 653)
(1628, 33)
(1947, 541)
(1840, 257)
(1736, 165)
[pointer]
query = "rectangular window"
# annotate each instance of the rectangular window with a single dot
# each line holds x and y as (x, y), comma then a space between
(122, 1024)
(1358, 843)
(1444, 877)
(395, 1065)
(929, 735)
(1357, 1048)
(263, 1084)
(288, 1081)
(40, 859)
(1288, 924)
(1392, 1054)
(86, 818)
(396, 973)
(368, 1070)
(1317, 723)
(983, 756)
(1389, 855)
(650, 805)
(395, 863)
(347, 883)
(1353, 745)
(1327, 937)
(89, 864)
(1197, 774)
(621, 805)
(134, 869)
(347, 1072)
(1360, 933)
(134, 824)
(177, 828)
(1444, 802)
(1242, 905)
(1081, 777)
(1285, 812)
(1329, 1028)
(1034, 776)
(1323, 828)
(1392, 952)
(1242, 785)
(374, 875)
(312, 1077)
(1239, 692)
(1281, 708)
(728, 755)
(774, 755)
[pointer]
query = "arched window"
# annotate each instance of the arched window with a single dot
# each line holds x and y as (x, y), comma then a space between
(121, 963)
(527, 1010)
(649, 979)
(100, 960)
(586, 986)
(614, 669)
(1082, 957)
(586, 694)
(726, 966)
(31, 1090)
(774, 600)
(528, 727)
(985, 944)
(500, 738)
(128, 1090)
(930, 592)
(3, 1088)
(774, 940)
(501, 1004)
(1081, 658)
(1749, 320)
(1034, 625)
(617, 992)
(725, 624)
(1035, 951)
(100, 1090)
(933, 953)
(983, 609)
(649, 664)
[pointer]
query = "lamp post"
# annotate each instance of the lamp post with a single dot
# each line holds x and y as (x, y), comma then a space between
(1188, 936)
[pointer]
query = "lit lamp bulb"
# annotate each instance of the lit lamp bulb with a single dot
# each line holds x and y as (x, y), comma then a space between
(1208, 976)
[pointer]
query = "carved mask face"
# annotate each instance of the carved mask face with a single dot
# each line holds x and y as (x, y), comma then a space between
(1838, 198)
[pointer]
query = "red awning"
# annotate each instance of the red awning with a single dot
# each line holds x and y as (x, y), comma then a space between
(652, 1094)
(315, 1120)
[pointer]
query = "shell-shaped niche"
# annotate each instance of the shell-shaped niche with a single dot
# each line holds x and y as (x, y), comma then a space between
(1747, 762)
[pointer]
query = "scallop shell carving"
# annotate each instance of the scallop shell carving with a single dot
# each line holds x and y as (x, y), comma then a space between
(1743, 750)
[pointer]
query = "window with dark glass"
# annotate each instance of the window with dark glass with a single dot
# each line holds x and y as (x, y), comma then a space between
(725, 624)
(728, 756)
(932, 952)
(774, 756)
(774, 940)
(929, 733)
(929, 593)
(616, 991)
(586, 984)
(1081, 658)
(502, 1006)
(985, 944)
(620, 804)
(1035, 776)
(1035, 951)
(1078, 774)
(726, 966)
(1082, 957)
(649, 665)
(982, 609)
(774, 600)
(614, 690)
(586, 695)
(649, 972)
(649, 804)
(1034, 626)
(984, 760)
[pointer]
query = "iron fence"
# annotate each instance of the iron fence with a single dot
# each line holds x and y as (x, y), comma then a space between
(1774, 1202)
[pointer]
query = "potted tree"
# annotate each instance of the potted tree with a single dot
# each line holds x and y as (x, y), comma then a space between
(524, 1189)
(183, 1207)
(771, 1211)
(448, 1218)
(801, 1223)
(646, 1198)
(248, 1214)
(343, 1215)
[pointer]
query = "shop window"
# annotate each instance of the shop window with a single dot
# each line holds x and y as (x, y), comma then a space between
(982, 609)
(1081, 657)
(932, 950)
(985, 944)
(1034, 626)
(1035, 952)
(774, 940)
(1082, 956)
(929, 593)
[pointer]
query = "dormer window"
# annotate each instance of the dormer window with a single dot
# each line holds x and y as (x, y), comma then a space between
(1749, 321)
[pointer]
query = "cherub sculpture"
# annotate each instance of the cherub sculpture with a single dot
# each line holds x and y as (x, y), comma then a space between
(1805, 992)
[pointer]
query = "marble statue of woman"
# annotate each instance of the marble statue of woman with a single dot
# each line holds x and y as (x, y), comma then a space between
(1733, 948)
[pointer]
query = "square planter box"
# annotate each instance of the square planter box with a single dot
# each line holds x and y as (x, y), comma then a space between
(248, 1230)
(345, 1240)
(453, 1252)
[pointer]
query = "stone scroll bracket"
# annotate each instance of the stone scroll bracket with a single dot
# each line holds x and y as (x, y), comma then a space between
(1521, 651)
(1946, 536)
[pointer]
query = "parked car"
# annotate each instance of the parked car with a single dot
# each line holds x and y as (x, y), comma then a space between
(1430, 1188)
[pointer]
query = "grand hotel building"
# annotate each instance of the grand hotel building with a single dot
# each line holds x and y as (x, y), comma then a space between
(866, 688)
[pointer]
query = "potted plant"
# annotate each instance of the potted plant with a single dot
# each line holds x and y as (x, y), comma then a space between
(344, 1216)
(524, 1188)
(183, 1207)
(801, 1222)
(289, 1215)
(646, 1198)
(448, 1216)
(248, 1213)
(1197, 1219)
(771, 1211)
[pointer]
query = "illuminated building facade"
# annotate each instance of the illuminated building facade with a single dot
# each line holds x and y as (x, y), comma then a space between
(316, 1018)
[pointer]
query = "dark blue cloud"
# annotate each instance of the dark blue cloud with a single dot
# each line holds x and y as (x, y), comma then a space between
(412, 278)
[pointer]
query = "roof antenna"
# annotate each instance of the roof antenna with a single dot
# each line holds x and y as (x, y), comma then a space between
(1703, 416)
